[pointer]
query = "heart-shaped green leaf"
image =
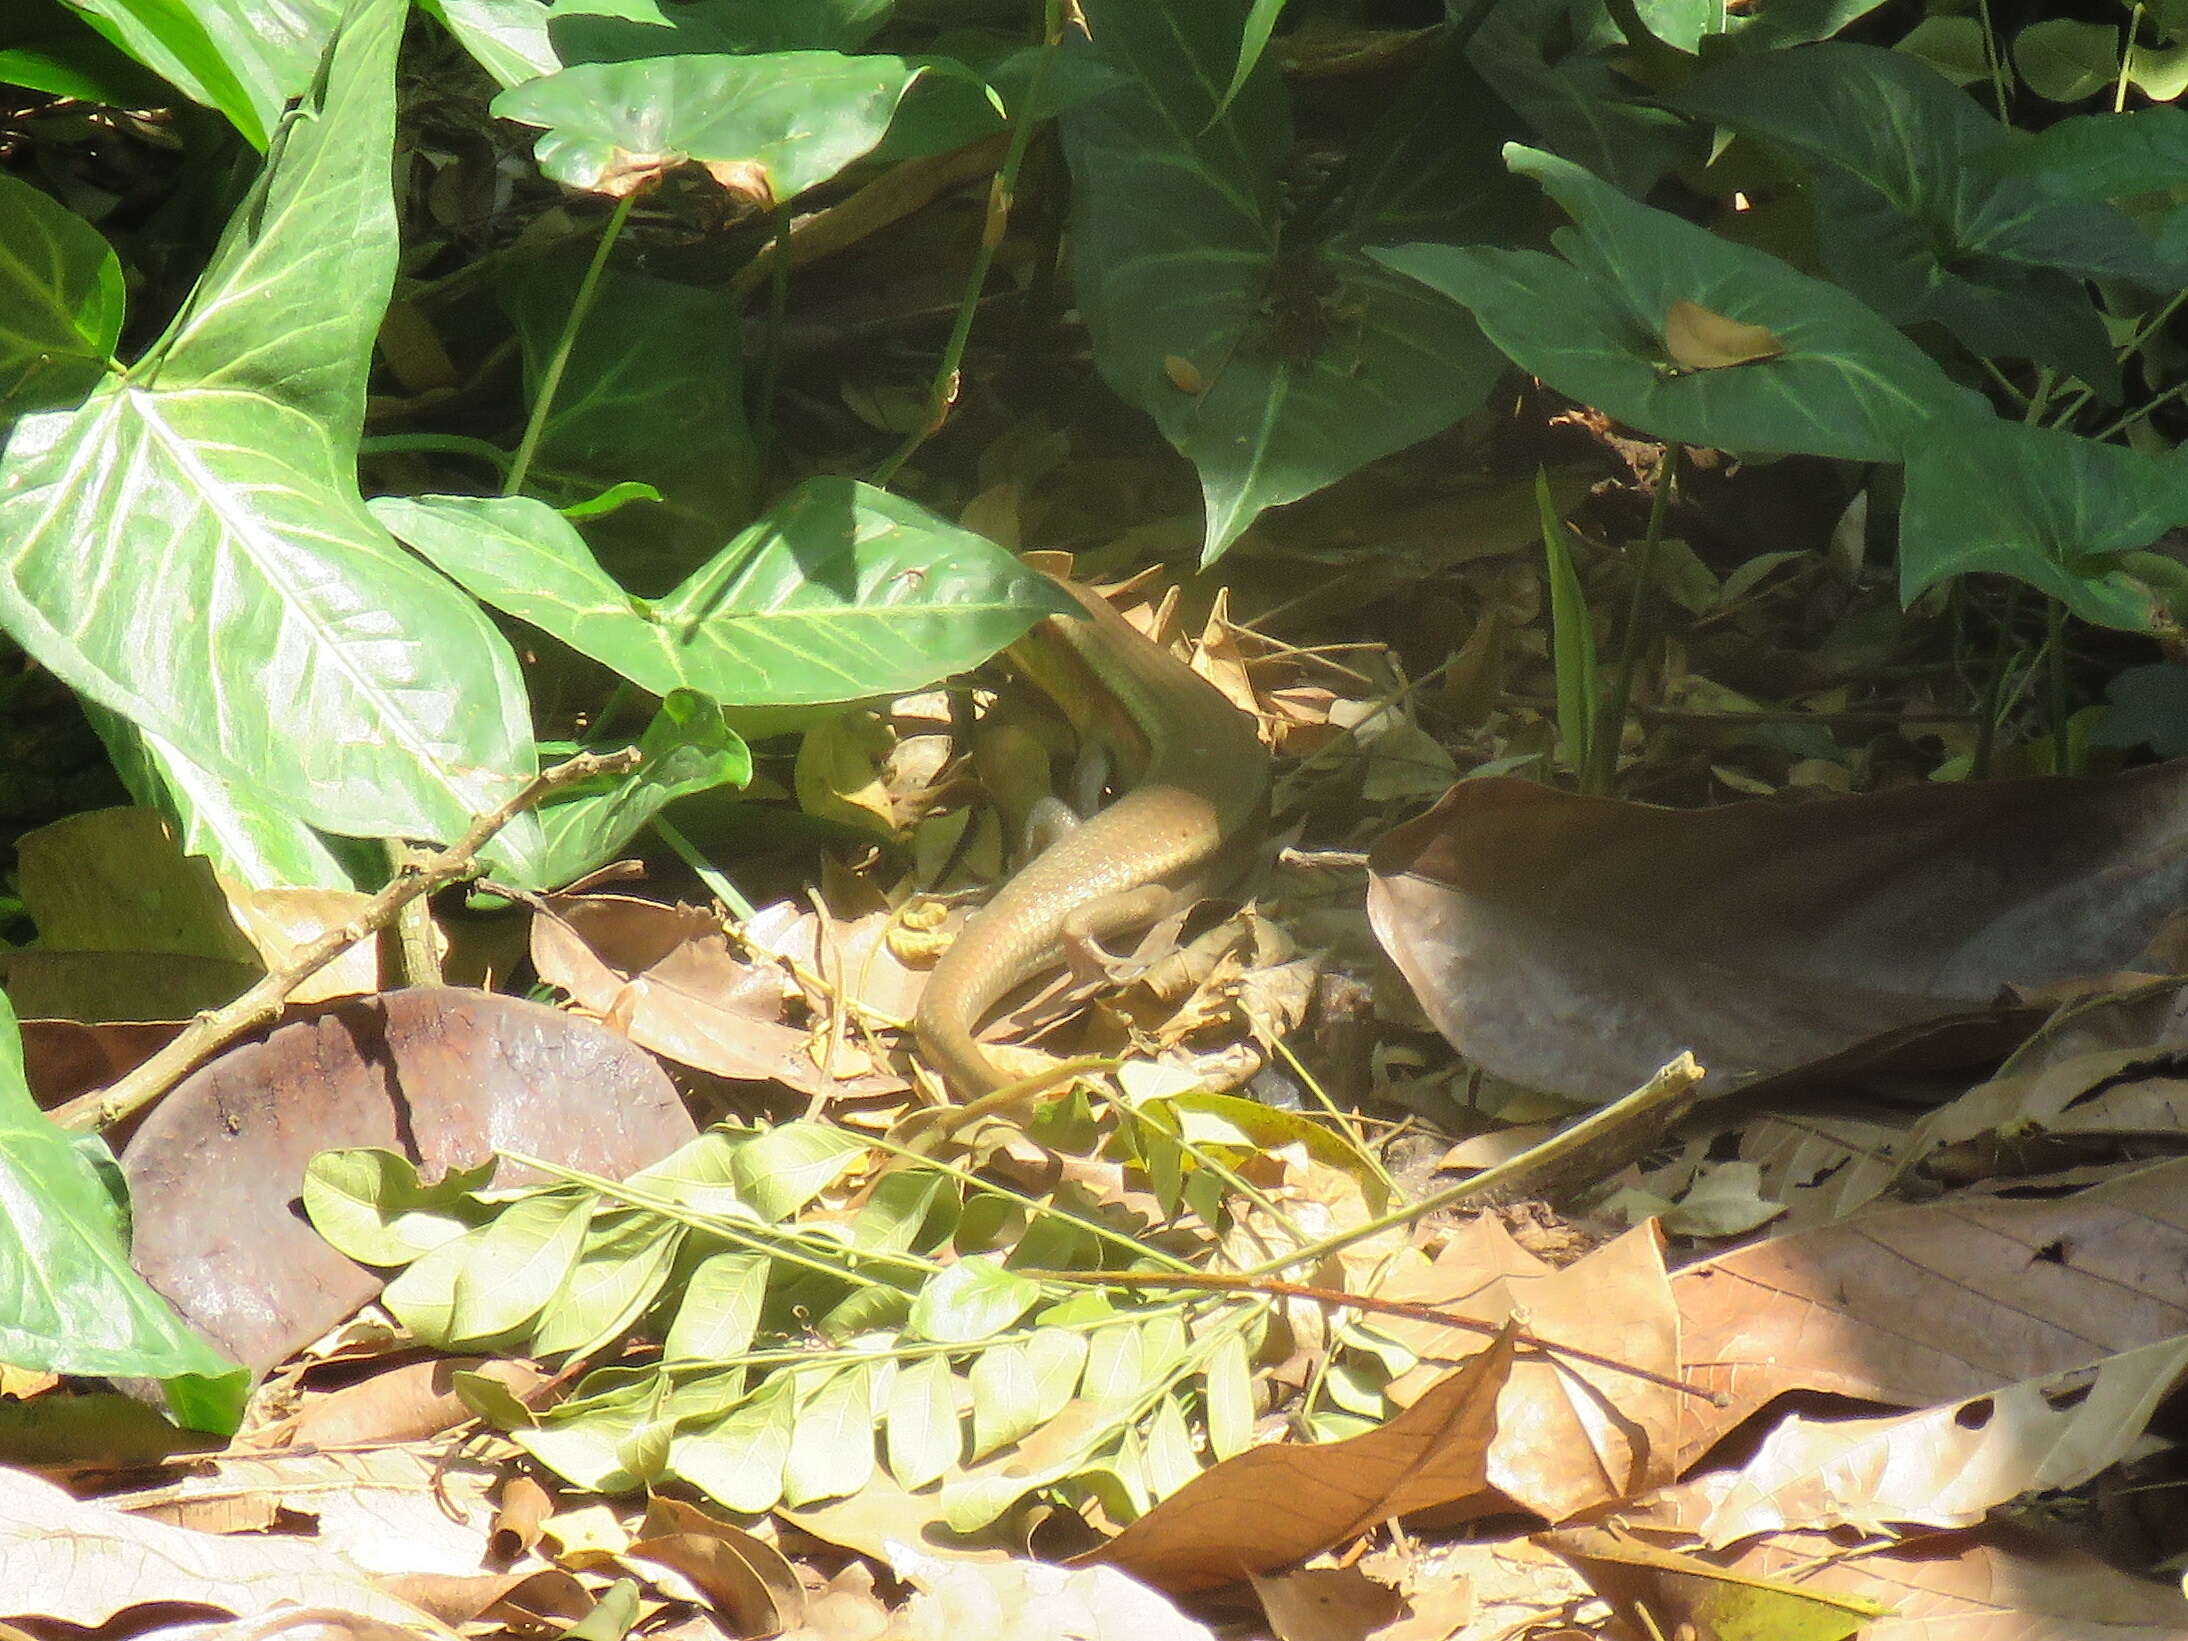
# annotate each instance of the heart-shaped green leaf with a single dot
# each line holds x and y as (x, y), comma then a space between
(2042, 505)
(1914, 214)
(840, 592)
(188, 548)
(768, 126)
(1592, 326)
(1271, 352)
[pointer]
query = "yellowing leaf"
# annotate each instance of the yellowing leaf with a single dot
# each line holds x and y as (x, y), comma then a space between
(1698, 339)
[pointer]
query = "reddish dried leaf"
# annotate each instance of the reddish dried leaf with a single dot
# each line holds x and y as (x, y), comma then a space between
(441, 1075)
(1576, 944)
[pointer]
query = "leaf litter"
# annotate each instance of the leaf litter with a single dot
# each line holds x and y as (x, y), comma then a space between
(1961, 1286)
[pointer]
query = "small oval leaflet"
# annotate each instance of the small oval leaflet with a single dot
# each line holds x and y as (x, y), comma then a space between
(1698, 339)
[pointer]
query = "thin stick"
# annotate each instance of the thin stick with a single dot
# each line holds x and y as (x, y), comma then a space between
(213, 1031)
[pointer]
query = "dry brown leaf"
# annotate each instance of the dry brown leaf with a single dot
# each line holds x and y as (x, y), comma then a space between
(1954, 1298)
(442, 1075)
(1570, 1436)
(83, 1563)
(742, 1579)
(1326, 1604)
(405, 1403)
(1946, 1466)
(1575, 944)
(1272, 1506)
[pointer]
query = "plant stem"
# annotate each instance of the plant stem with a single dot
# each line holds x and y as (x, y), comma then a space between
(942, 393)
(550, 379)
(209, 1033)
(1610, 724)
(771, 349)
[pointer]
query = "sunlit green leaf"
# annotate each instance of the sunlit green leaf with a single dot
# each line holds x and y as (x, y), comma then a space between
(833, 1456)
(621, 1267)
(297, 650)
(60, 302)
(369, 1203)
(842, 591)
(1847, 384)
(924, 1438)
(973, 1299)
(719, 1310)
(770, 125)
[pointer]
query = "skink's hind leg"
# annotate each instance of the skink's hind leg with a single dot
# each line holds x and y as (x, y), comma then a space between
(1089, 925)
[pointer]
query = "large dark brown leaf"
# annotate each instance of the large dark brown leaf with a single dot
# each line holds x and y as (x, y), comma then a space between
(441, 1075)
(1575, 944)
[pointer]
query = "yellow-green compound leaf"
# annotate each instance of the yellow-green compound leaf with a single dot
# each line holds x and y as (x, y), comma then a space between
(369, 1204)
(1019, 1386)
(494, 1281)
(621, 1268)
(720, 1308)
(787, 1167)
(187, 548)
(1169, 1456)
(973, 1299)
(1228, 1393)
(833, 1456)
(924, 1437)
(739, 1460)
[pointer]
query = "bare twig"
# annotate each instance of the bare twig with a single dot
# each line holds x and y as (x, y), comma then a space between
(213, 1031)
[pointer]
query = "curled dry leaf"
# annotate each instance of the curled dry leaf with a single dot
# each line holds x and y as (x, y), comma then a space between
(1945, 1466)
(1271, 1506)
(1574, 944)
(441, 1075)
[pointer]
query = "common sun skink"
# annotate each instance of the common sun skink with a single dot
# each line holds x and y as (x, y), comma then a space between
(1193, 813)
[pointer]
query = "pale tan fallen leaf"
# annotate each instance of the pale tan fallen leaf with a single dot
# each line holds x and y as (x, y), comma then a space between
(1571, 1436)
(83, 1563)
(1325, 1604)
(385, 1511)
(1995, 1584)
(1032, 1601)
(1935, 1303)
(1725, 1200)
